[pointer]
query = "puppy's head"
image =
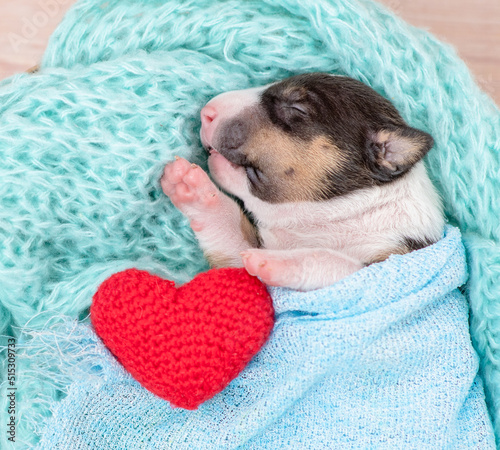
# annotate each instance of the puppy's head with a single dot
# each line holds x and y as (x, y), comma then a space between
(307, 138)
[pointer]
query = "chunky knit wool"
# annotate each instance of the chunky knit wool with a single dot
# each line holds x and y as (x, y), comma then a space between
(184, 345)
(361, 364)
(83, 144)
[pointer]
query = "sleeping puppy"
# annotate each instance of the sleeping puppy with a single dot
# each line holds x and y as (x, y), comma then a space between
(328, 172)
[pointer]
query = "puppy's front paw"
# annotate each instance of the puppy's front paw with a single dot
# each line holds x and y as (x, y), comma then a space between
(271, 267)
(191, 190)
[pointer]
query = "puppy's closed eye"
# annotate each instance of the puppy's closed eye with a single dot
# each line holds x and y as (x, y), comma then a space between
(297, 108)
(255, 175)
(287, 109)
(288, 115)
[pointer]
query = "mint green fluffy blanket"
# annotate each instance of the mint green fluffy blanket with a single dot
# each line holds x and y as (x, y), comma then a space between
(83, 144)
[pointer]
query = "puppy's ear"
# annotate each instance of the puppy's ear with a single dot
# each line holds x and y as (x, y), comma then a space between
(393, 151)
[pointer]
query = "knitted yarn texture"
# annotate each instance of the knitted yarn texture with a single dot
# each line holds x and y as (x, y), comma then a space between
(84, 141)
(382, 359)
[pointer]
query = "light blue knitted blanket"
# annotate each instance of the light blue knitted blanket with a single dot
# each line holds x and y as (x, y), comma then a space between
(382, 359)
(83, 144)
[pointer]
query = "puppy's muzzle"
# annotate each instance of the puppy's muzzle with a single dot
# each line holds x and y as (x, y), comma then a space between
(225, 136)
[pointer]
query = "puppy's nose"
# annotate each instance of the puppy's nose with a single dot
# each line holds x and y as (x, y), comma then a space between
(208, 115)
(208, 123)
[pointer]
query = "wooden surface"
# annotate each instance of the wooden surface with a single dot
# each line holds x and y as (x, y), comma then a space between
(25, 28)
(472, 26)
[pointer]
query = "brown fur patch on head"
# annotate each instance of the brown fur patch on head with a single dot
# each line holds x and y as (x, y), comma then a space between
(295, 93)
(298, 169)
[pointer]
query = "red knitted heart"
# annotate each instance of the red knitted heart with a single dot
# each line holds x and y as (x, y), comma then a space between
(183, 344)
